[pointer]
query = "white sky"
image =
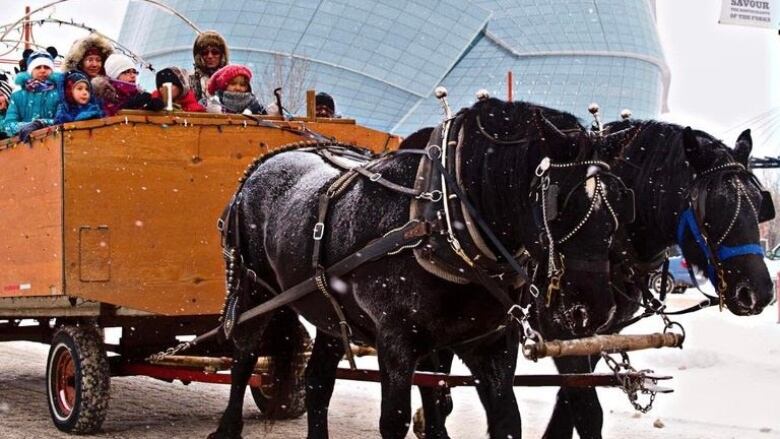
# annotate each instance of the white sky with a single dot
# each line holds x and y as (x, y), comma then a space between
(722, 75)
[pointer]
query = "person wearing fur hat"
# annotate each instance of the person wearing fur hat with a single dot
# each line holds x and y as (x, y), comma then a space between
(89, 55)
(78, 101)
(210, 52)
(231, 91)
(35, 104)
(5, 97)
(182, 96)
(118, 89)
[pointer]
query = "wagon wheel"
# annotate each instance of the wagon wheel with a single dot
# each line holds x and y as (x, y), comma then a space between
(77, 380)
(294, 404)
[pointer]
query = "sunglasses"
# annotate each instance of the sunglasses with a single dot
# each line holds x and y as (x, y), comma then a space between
(205, 52)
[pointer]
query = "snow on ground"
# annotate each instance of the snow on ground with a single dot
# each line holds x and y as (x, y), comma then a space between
(726, 377)
(726, 382)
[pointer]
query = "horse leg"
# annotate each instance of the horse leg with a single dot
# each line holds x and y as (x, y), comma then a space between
(436, 401)
(320, 379)
(244, 361)
(576, 408)
(397, 360)
(493, 367)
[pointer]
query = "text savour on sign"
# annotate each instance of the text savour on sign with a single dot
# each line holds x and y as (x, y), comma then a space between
(759, 13)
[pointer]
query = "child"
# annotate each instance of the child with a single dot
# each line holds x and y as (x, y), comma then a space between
(34, 106)
(118, 89)
(231, 91)
(183, 98)
(78, 102)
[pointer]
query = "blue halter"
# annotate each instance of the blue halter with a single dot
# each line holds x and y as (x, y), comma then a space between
(687, 221)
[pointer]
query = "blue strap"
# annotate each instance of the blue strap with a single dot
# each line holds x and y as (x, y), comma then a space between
(688, 221)
(726, 252)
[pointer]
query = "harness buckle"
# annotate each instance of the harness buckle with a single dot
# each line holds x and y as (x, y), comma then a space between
(434, 196)
(221, 225)
(319, 231)
(375, 177)
(554, 287)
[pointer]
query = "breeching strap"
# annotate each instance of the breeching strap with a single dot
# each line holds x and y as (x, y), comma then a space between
(393, 240)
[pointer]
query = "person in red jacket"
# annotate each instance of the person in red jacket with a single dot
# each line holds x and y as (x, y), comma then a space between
(182, 98)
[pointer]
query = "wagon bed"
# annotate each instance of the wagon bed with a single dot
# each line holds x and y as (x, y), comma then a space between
(117, 215)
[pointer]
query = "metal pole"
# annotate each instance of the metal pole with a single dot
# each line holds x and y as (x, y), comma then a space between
(510, 95)
(27, 29)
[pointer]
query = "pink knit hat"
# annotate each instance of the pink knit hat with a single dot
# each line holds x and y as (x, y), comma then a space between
(222, 77)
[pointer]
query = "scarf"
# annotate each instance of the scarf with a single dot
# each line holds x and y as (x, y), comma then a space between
(236, 102)
(36, 85)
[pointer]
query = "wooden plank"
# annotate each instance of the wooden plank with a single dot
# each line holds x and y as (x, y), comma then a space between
(158, 189)
(31, 219)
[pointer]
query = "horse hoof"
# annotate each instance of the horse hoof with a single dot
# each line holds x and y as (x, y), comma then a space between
(418, 425)
(218, 435)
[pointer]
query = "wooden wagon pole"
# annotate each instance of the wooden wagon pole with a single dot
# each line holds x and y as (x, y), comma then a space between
(601, 343)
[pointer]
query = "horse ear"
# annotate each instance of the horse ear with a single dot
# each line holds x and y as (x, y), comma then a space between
(743, 147)
(693, 150)
(554, 142)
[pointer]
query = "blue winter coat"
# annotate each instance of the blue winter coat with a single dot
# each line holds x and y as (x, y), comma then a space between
(26, 106)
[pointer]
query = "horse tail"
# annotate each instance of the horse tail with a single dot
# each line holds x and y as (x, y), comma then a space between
(285, 340)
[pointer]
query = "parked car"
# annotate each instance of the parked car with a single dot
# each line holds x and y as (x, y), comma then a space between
(678, 279)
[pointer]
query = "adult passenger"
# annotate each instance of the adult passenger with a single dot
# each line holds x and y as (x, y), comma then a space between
(89, 55)
(210, 53)
(325, 106)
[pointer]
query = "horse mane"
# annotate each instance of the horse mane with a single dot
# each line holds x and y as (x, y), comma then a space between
(501, 148)
(655, 147)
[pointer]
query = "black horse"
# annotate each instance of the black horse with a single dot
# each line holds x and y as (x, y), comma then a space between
(693, 191)
(507, 160)
(683, 180)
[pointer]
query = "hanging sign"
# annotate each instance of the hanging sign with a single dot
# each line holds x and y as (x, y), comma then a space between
(758, 13)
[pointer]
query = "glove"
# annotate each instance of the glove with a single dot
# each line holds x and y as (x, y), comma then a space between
(213, 105)
(139, 101)
(155, 105)
(27, 129)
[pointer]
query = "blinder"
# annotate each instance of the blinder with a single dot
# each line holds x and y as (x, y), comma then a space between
(766, 211)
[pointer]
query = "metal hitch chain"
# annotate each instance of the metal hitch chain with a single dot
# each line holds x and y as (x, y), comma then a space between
(632, 386)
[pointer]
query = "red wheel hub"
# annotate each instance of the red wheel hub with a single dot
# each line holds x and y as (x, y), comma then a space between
(64, 382)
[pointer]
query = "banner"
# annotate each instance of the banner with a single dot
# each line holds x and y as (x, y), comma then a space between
(759, 13)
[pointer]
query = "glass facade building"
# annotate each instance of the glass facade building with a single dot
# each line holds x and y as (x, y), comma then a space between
(382, 59)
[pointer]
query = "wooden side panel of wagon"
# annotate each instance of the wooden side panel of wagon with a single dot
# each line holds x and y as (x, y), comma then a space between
(123, 211)
(31, 219)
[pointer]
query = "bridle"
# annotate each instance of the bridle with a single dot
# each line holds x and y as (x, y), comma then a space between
(547, 193)
(714, 251)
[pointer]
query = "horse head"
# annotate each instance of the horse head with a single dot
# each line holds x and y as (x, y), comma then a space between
(719, 231)
(583, 204)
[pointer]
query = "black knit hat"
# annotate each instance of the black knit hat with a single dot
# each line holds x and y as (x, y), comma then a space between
(325, 99)
(174, 75)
